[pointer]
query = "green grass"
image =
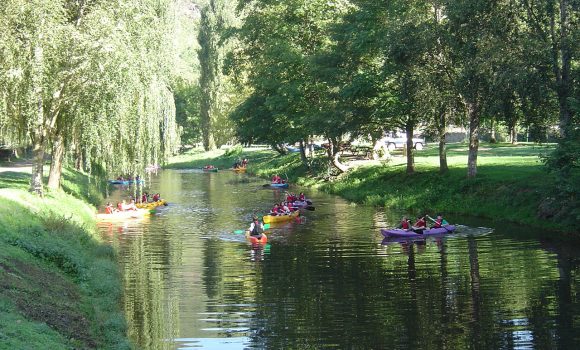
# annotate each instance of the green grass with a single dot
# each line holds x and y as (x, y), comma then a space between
(59, 284)
(512, 183)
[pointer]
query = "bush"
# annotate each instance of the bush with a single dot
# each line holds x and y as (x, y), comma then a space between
(234, 151)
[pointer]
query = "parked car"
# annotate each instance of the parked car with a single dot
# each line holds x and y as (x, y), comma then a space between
(393, 143)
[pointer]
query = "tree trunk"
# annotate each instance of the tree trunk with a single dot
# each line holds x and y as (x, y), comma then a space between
(38, 133)
(38, 150)
(473, 113)
(443, 168)
(513, 135)
(410, 153)
(303, 154)
(562, 66)
(492, 138)
(55, 173)
(334, 154)
(78, 159)
(279, 148)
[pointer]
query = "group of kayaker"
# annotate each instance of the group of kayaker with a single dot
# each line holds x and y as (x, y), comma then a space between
(146, 197)
(421, 224)
(276, 179)
(240, 163)
(282, 208)
(121, 206)
(128, 178)
(124, 206)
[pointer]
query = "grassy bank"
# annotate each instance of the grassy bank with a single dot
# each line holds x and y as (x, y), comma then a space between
(512, 183)
(59, 284)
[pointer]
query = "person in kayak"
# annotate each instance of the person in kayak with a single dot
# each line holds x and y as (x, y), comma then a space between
(109, 208)
(405, 223)
(438, 222)
(301, 197)
(256, 228)
(276, 179)
(420, 225)
(275, 210)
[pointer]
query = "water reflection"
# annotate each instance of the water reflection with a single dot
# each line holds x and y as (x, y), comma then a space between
(326, 281)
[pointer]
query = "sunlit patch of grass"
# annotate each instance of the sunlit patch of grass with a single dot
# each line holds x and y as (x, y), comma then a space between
(56, 237)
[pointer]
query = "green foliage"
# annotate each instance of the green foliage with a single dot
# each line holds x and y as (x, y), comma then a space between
(52, 241)
(235, 150)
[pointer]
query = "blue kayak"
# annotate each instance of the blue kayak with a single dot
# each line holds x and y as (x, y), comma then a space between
(125, 182)
(279, 185)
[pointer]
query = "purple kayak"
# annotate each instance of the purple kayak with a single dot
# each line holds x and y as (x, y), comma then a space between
(397, 232)
(301, 204)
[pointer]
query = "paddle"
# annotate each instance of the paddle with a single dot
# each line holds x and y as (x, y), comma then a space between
(430, 218)
(239, 232)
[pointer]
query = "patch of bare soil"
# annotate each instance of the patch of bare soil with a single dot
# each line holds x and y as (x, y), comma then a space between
(44, 296)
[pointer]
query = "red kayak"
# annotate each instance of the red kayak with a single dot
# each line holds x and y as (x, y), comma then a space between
(263, 239)
(397, 232)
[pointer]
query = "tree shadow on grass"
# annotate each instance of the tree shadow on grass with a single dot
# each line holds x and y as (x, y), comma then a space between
(13, 179)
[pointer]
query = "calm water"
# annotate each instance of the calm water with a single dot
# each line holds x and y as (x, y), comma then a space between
(329, 282)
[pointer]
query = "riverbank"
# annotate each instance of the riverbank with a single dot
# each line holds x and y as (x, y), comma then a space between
(512, 183)
(60, 286)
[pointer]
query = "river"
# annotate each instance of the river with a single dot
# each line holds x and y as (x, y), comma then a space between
(328, 281)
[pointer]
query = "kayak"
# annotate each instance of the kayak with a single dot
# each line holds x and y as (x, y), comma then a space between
(279, 185)
(280, 218)
(397, 232)
(151, 205)
(255, 240)
(124, 215)
(239, 170)
(301, 204)
(210, 170)
(125, 182)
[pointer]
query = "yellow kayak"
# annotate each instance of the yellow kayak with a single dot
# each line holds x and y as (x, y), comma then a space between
(124, 215)
(239, 170)
(151, 205)
(281, 218)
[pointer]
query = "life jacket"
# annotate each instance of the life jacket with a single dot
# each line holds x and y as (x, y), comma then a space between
(257, 229)
(301, 197)
(109, 210)
(144, 199)
(405, 225)
(438, 223)
(120, 206)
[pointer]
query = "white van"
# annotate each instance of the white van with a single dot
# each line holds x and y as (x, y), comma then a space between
(394, 142)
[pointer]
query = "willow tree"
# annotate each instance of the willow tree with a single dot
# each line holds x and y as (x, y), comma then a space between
(32, 44)
(74, 69)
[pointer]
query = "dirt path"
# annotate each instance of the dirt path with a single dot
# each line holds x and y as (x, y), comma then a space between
(23, 166)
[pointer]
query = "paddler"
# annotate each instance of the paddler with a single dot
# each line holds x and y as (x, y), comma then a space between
(256, 228)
